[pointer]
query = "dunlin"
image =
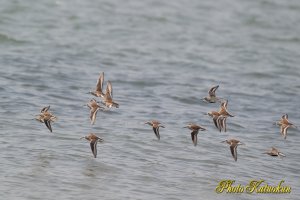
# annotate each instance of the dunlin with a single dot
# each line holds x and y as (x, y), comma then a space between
(219, 120)
(93, 142)
(195, 130)
(233, 146)
(215, 115)
(220, 117)
(274, 152)
(46, 117)
(211, 98)
(94, 108)
(99, 87)
(107, 99)
(155, 125)
(223, 109)
(284, 125)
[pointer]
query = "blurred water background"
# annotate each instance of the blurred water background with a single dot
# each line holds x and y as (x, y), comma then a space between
(161, 57)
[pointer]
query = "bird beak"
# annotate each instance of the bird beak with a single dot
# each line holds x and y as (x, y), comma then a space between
(81, 138)
(223, 141)
(240, 143)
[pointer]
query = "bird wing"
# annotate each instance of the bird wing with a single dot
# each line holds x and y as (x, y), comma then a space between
(45, 109)
(194, 137)
(224, 104)
(285, 116)
(222, 123)
(212, 91)
(233, 151)
(93, 114)
(48, 124)
(100, 83)
(109, 89)
(156, 131)
(89, 105)
(93, 145)
(283, 130)
(215, 120)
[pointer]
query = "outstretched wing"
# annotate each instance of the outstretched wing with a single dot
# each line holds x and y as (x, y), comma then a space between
(156, 131)
(100, 83)
(224, 126)
(283, 130)
(233, 151)
(222, 123)
(45, 109)
(109, 89)
(212, 91)
(93, 115)
(48, 124)
(224, 104)
(194, 137)
(93, 145)
(285, 116)
(215, 120)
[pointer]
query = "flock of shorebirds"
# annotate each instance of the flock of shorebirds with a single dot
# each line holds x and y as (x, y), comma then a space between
(218, 117)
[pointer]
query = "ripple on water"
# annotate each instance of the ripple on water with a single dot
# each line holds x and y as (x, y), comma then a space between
(8, 40)
(162, 58)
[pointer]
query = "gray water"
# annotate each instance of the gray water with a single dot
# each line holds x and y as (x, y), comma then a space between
(161, 57)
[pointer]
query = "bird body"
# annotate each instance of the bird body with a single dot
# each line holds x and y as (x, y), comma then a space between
(107, 99)
(195, 130)
(46, 117)
(98, 91)
(212, 98)
(94, 108)
(275, 152)
(233, 143)
(155, 125)
(285, 125)
(93, 139)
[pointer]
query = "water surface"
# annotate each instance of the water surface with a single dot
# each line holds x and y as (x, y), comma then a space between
(161, 57)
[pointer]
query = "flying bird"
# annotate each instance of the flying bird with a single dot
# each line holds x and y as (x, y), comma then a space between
(233, 143)
(108, 97)
(285, 125)
(211, 98)
(195, 130)
(274, 152)
(93, 142)
(155, 125)
(46, 117)
(94, 108)
(98, 91)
